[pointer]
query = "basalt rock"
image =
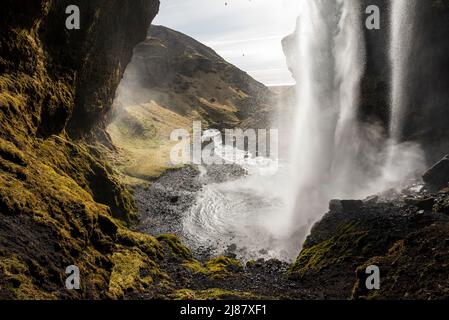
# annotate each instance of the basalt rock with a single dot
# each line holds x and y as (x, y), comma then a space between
(60, 203)
(339, 206)
(404, 239)
(437, 177)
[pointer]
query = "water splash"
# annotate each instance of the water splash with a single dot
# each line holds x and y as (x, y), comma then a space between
(331, 153)
(328, 71)
(405, 159)
(335, 155)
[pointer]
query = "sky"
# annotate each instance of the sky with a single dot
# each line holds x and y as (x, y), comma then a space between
(246, 33)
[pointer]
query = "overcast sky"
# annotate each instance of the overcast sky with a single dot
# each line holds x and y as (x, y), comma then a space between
(247, 33)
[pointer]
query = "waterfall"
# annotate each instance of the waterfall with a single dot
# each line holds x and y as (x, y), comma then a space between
(404, 159)
(325, 142)
(402, 25)
(330, 153)
(334, 155)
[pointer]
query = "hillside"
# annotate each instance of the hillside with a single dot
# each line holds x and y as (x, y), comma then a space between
(172, 81)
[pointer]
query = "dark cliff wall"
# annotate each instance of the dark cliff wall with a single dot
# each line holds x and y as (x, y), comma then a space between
(83, 67)
(374, 98)
(427, 114)
(58, 197)
(427, 88)
(427, 91)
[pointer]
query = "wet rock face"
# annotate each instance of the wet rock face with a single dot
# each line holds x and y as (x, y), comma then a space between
(58, 198)
(82, 68)
(340, 206)
(428, 91)
(437, 177)
(404, 234)
(425, 120)
(375, 93)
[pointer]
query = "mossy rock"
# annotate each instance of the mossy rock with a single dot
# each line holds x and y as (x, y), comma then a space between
(177, 248)
(414, 268)
(18, 283)
(146, 243)
(213, 294)
(217, 268)
(132, 272)
(348, 242)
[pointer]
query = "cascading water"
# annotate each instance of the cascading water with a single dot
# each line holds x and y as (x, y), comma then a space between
(404, 159)
(328, 71)
(271, 213)
(402, 25)
(336, 156)
(331, 154)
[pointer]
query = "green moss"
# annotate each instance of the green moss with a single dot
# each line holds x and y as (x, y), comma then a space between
(414, 268)
(148, 244)
(347, 241)
(10, 152)
(223, 264)
(175, 245)
(19, 281)
(217, 268)
(126, 275)
(359, 290)
(213, 294)
(195, 266)
(57, 194)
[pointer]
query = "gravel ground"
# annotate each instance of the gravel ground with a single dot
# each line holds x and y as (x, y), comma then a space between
(162, 204)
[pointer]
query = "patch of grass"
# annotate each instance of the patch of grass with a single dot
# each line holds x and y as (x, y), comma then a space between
(142, 132)
(132, 271)
(217, 268)
(146, 243)
(213, 294)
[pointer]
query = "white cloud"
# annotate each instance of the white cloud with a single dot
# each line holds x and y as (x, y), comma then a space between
(247, 33)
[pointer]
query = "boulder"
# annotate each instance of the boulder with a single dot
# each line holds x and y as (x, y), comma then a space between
(437, 177)
(340, 206)
(425, 203)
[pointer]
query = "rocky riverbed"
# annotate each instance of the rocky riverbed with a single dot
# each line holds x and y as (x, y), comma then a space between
(162, 204)
(404, 232)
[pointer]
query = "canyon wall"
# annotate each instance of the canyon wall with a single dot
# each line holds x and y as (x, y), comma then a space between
(58, 197)
(427, 89)
(427, 110)
(80, 68)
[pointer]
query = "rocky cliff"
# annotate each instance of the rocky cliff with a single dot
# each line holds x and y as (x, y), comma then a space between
(189, 78)
(58, 198)
(403, 232)
(428, 86)
(172, 81)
